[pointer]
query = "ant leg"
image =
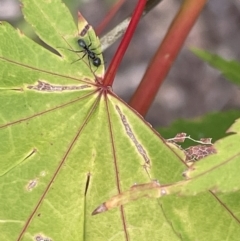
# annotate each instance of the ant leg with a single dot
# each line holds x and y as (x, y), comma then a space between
(91, 44)
(80, 58)
(95, 49)
(89, 62)
(95, 70)
(76, 51)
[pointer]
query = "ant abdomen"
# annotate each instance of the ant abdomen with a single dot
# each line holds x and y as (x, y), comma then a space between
(96, 62)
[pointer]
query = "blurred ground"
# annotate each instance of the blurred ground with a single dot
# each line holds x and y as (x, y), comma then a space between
(191, 88)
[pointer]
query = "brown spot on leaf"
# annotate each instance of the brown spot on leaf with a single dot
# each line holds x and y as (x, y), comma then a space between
(32, 184)
(84, 30)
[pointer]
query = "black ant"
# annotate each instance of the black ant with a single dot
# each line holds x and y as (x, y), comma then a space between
(96, 61)
(91, 55)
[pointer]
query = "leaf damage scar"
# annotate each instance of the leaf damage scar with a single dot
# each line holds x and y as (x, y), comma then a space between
(34, 150)
(32, 184)
(132, 137)
(44, 86)
(14, 89)
(87, 183)
(30, 154)
(42, 238)
(85, 30)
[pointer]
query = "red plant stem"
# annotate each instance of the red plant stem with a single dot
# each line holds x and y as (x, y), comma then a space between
(109, 16)
(111, 72)
(166, 54)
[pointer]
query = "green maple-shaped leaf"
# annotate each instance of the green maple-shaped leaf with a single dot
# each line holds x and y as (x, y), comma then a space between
(68, 144)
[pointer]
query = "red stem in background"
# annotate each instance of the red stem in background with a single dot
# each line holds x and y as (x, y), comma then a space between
(111, 72)
(166, 54)
(109, 16)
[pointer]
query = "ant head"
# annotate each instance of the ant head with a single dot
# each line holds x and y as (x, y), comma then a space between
(81, 43)
(96, 61)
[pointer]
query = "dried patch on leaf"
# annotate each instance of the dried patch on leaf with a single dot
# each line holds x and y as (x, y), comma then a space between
(197, 152)
(46, 87)
(41, 237)
(32, 184)
(180, 137)
(84, 30)
(132, 137)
